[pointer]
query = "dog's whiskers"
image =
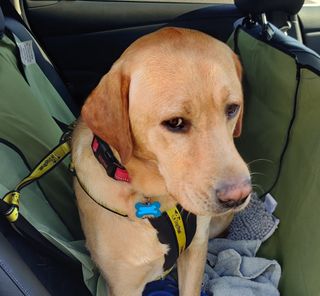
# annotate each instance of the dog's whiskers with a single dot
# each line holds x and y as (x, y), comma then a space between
(260, 159)
(257, 173)
(258, 187)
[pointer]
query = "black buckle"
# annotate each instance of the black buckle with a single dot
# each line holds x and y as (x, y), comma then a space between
(66, 136)
(105, 156)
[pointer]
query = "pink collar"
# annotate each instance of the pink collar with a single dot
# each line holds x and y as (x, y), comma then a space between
(105, 156)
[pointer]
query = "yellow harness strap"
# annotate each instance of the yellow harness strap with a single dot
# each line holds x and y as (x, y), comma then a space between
(49, 162)
(180, 233)
(177, 223)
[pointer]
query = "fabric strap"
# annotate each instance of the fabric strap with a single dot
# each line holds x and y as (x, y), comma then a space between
(43, 62)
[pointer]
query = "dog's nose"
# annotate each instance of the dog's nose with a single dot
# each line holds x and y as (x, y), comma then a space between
(234, 194)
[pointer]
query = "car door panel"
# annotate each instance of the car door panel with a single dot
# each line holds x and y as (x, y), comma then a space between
(310, 22)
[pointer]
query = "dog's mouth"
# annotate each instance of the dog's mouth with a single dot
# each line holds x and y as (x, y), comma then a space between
(234, 206)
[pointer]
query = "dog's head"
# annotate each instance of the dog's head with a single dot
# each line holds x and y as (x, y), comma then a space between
(174, 98)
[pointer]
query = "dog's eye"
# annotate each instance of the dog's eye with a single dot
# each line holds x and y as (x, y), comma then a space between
(232, 110)
(177, 124)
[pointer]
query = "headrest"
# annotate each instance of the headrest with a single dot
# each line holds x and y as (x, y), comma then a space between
(255, 7)
(1, 23)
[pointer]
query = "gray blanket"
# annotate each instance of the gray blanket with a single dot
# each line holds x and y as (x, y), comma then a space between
(232, 268)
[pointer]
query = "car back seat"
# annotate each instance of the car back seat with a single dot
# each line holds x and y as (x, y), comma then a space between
(280, 139)
(15, 277)
(281, 87)
(32, 114)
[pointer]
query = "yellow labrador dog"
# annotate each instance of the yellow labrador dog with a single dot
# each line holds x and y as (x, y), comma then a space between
(168, 109)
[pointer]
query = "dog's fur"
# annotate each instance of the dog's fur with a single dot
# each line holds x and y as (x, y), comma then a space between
(171, 73)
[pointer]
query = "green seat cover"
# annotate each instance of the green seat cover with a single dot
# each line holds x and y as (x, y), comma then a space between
(29, 111)
(281, 142)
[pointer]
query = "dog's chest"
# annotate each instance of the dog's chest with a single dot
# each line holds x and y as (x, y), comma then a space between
(133, 242)
(175, 228)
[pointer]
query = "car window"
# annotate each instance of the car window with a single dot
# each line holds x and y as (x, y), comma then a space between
(182, 1)
(308, 2)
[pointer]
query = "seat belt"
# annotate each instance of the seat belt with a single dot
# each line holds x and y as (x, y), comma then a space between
(43, 61)
(39, 84)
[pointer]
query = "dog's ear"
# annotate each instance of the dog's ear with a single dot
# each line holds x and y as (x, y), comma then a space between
(238, 128)
(106, 112)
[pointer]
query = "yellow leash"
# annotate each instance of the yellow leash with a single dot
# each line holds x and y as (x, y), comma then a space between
(10, 202)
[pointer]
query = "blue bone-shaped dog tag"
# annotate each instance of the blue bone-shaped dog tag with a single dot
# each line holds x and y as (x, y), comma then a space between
(148, 209)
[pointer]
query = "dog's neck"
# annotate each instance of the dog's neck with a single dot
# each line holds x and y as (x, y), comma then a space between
(147, 182)
(145, 179)
(146, 185)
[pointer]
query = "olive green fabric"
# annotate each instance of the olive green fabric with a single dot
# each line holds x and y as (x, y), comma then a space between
(27, 124)
(296, 245)
(27, 108)
(40, 214)
(269, 105)
(282, 129)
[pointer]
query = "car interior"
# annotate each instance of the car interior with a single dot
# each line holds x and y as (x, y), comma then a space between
(74, 44)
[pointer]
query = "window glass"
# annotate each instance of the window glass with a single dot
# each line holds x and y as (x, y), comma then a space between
(184, 1)
(312, 2)
(317, 2)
